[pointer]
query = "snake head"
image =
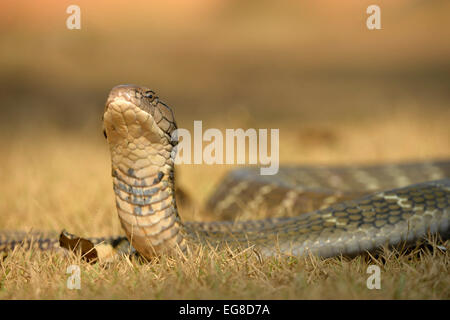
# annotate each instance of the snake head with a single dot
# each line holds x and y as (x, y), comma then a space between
(134, 113)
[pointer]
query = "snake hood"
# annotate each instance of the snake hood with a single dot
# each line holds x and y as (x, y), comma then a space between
(138, 127)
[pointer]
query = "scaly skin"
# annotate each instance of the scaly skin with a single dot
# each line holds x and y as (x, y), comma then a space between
(139, 126)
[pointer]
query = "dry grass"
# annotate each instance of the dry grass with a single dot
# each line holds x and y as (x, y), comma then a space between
(57, 180)
(225, 274)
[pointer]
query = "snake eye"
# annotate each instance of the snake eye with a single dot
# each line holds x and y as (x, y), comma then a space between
(149, 94)
(104, 133)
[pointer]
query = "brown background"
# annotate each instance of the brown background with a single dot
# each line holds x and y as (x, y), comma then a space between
(338, 92)
(284, 61)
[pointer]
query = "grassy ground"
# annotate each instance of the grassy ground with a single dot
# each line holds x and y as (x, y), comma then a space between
(55, 180)
(210, 274)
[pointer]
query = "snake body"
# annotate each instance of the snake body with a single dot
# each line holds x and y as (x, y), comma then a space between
(295, 190)
(360, 209)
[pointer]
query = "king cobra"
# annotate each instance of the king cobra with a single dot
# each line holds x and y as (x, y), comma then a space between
(354, 210)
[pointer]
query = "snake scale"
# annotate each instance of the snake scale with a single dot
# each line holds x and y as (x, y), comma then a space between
(323, 211)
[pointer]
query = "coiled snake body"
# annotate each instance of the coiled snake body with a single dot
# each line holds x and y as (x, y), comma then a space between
(354, 215)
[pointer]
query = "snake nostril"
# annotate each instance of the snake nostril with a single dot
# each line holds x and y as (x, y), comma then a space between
(104, 133)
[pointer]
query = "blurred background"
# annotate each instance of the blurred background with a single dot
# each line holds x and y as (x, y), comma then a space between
(339, 92)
